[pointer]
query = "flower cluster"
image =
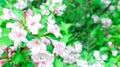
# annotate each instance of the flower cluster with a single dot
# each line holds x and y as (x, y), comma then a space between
(31, 25)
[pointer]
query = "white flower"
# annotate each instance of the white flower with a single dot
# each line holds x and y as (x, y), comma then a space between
(58, 47)
(112, 8)
(46, 12)
(110, 44)
(36, 47)
(15, 25)
(46, 60)
(45, 40)
(8, 14)
(18, 35)
(20, 4)
(114, 52)
(59, 10)
(57, 1)
(95, 18)
(106, 2)
(104, 57)
(97, 55)
(82, 63)
(78, 47)
(106, 22)
(0, 32)
(33, 23)
(98, 64)
(53, 28)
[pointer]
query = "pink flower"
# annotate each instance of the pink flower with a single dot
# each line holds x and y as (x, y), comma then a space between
(36, 47)
(58, 47)
(46, 60)
(53, 28)
(2, 62)
(33, 23)
(20, 4)
(46, 12)
(45, 40)
(8, 14)
(59, 10)
(18, 35)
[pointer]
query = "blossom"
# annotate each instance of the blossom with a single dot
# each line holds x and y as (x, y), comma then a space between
(59, 10)
(0, 32)
(2, 62)
(100, 57)
(57, 1)
(78, 47)
(58, 47)
(36, 47)
(46, 60)
(45, 40)
(95, 18)
(104, 57)
(70, 55)
(46, 12)
(110, 44)
(33, 23)
(53, 28)
(106, 2)
(18, 35)
(15, 25)
(20, 4)
(114, 52)
(106, 22)
(97, 55)
(82, 63)
(8, 14)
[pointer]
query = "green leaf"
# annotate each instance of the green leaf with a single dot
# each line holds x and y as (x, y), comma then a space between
(18, 58)
(58, 63)
(7, 64)
(5, 41)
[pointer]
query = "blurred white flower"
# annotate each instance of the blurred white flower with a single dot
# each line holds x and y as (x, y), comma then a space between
(106, 22)
(46, 12)
(104, 57)
(106, 2)
(98, 64)
(95, 18)
(114, 52)
(112, 8)
(82, 63)
(20, 4)
(59, 10)
(57, 1)
(97, 55)
(110, 44)
(78, 47)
